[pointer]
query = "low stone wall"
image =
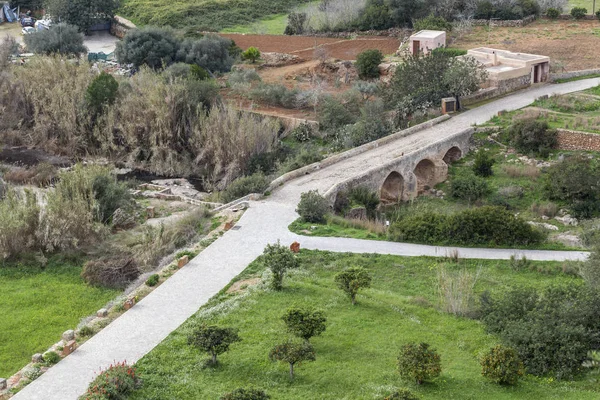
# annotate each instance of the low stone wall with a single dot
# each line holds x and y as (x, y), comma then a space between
(573, 74)
(575, 140)
(352, 152)
(480, 95)
(509, 23)
(288, 123)
(121, 26)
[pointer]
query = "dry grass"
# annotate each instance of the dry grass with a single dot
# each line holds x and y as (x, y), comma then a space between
(544, 209)
(40, 175)
(526, 171)
(376, 226)
(455, 289)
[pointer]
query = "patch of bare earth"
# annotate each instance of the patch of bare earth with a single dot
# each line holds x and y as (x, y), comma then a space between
(240, 286)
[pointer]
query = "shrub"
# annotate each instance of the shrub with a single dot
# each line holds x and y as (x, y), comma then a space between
(502, 365)
(367, 63)
(213, 340)
(256, 183)
(531, 136)
(116, 382)
(292, 353)
(483, 164)
(351, 280)
(276, 95)
(152, 280)
(110, 195)
(303, 132)
(590, 268)
(60, 39)
(402, 394)
(199, 73)
(332, 114)
(578, 12)
(113, 270)
(279, 259)
(372, 124)
(432, 22)
(468, 187)
(361, 195)
(598, 14)
(151, 46)
(241, 76)
(246, 394)
(456, 290)
(313, 207)
(20, 216)
(51, 358)
(177, 70)
(553, 13)
(304, 323)
(251, 54)
(296, 23)
(450, 51)
(418, 362)
(101, 92)
(211, 52)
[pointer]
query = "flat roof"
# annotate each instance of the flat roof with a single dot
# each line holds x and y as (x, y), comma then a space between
(426, 34)
(509, 54)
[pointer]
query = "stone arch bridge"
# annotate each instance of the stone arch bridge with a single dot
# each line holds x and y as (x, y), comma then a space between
(406, 176)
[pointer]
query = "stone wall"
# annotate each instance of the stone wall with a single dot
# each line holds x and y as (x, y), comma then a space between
(510, 23)
(509, 85)
(575, 140)
(121, 26)
(573, 74)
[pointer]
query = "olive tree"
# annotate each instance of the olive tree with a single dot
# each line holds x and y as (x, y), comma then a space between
(82, 13)
(279, 259)
(292, 353)
(154, 47)
(304, 323)
(351, 280)
(60, 39)
(463, 76)
(213, 340)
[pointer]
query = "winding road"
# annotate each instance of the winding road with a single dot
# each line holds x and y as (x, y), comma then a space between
(144, 326)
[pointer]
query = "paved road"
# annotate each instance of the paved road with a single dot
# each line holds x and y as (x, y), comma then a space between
(143, 327)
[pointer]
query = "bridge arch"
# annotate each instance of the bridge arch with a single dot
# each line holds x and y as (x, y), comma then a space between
(425, 173)
(392, 189)
(453, 154)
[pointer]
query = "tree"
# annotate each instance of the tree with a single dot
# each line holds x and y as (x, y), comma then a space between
(463, 76)
(418, 362)
(60, 39)
(252, 54)
(351, 280)
(82, 13)
(102, 91)
(293, 353)
(502, 365)
(432, 22)
(296, 23)
(367, 63)
(211, 52)
(279, 259)
(313, 207)
(246, 394)
(213, 340)
(304, 323)
(531, 136)
(483, 164)
(154, 47)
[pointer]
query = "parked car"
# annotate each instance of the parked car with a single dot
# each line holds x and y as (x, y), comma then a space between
(27, 30)
(27, 21)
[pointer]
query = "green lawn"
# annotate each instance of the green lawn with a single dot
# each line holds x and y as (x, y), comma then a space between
(587, 4)
(37, 306)
(356, 355)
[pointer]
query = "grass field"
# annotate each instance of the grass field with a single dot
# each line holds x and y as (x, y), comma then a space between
(356, 355)
(37, 306)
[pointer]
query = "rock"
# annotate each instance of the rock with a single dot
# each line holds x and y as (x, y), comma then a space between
(545, 217)
(128, 304)
(69, 335)
(279, 59)
(3, 384)
(440, 193)
(543, 225)
(37, 358)
(568, 239)
(183, 261)
(567, 220)
(150, 212)
(357, 213)
(102, 313)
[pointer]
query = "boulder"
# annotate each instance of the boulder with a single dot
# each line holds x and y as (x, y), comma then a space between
(568, 239)
(69, 335)
(102, 313)
(37, 358)
(543, 225)
(567, 220)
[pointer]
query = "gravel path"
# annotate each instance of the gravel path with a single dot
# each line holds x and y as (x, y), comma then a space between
(143, 327)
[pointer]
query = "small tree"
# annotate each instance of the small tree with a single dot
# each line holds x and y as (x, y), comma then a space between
(292, 353)
(352, 279)
(463, 76)
(279, 259)
(432, 22)
(533, 136)
(154, 47)
(81, 13)
(102, 91)
(252, 54)
(483, 164)
(61, 39)
(578, 12)
(552, 13)
(502, 365)
(418, 362)
(304, 323)
(246, 394)
(296, 23)
(367, 63)
(313, 207)
(213, 340)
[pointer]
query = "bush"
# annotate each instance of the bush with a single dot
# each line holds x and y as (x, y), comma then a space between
(553, 13)
(332, 114)
(419, 363)
(483, 164)
(502, 365)
(152, 280)
(151, 46)
(199, 73)
(251, 54)
(313, 207)
(402, 394)
(372, 124)
(304, 323)
(450, 52)
(590, 268)
(177, 70)
(292, 353)
(113, 270)
(51, 358)
(246, 394)
(491, 226)
(114, 383)
(241, 76)
(211, 52)
(256, 183)
(468, 187)
(531, 136)
(303, 132)
(351, 280)
(110, 195)
(432, 22)
(20, 216)
(279, 259)
(367, 63)
(296, 23)
(598, 14)
(276, 95)
(214, 340)
(361, 195)
(101, 92)
(456, 290)
(60, 39)
(578, 12)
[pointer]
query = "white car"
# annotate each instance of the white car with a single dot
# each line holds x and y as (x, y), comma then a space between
(27, 30)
